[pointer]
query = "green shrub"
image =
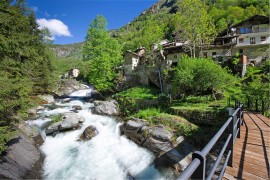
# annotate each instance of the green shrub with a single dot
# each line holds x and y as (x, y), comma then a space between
(197, 76)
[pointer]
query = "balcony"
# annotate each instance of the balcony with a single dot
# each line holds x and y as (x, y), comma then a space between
(250, 30)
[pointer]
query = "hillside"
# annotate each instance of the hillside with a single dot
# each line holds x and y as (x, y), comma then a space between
(67, 51)
(159, 22)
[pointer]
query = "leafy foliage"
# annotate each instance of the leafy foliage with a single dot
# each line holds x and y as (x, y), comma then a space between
(103, 55)
(200, 76)
(194, 25)
(24, 61)
(229, 12)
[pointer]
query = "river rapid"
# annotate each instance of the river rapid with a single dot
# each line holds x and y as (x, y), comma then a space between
(106, 156)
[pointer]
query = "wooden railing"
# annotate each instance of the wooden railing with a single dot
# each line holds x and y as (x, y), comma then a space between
(197, 168)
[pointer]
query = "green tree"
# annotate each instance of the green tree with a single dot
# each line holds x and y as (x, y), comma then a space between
(221, 25)
(197, 76)
(25, 65)
(194, 24)
(103, 54)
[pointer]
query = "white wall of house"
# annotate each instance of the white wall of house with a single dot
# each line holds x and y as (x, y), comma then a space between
(135, 62)
(174, 57)
(215, 52)
(259, 34)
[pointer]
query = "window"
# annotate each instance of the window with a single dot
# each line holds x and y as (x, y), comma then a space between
(214, 53)
(241, 40)
(241, 51)
(242, 30)
(263, 38)
(252, 40)
(175, 56)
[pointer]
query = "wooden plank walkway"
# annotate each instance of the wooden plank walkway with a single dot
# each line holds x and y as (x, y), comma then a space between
(252, 151)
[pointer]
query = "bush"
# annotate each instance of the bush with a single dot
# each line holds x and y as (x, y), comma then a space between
(198, 76)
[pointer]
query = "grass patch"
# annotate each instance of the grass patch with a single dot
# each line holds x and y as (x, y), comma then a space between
(201, 103)
(196, 135)
(175, 124)
(57, 118)
(140, 93)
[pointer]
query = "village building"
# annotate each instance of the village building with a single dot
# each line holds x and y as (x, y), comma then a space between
(249, 38)
(74, 72)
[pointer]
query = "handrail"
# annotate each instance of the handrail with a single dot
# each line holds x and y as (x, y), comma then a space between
(197, 168)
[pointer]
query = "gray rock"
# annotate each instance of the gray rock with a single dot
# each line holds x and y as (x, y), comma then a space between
(68, 86)
(160, 133)
(35, 110)
(23, 159)
(77, 107)
(32, 112)
(52, 128)
(156, 146)
(89, 133)
(136, 130)
(48, 99)
(66, 100)
(70, 121)
(108, 108)
(40, 108)
(135, 124)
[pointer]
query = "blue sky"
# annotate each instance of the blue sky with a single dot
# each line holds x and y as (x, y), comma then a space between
(68, 20)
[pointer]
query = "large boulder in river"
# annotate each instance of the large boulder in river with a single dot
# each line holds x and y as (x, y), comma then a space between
(136, 129)
(52, 128)
(109, 108)
(77, 107)
(89, 133)
(160, 140)
(68, 86)
(176, 154)
(23, 159)
(69, 121)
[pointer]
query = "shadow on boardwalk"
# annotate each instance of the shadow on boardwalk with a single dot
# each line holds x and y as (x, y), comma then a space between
(252, 151)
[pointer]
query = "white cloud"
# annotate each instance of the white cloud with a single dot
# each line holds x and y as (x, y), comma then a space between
(55, 26)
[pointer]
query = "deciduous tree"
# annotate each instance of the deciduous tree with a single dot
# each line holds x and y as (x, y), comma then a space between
(194, 25)
(103, 54)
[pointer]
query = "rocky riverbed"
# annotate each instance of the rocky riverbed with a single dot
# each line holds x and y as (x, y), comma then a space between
(79, 139)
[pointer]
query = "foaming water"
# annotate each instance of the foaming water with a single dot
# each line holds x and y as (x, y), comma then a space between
(81, 93)
(106, 156)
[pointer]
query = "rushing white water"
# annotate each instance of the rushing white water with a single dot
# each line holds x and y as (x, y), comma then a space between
(81, 93)
(106, 156)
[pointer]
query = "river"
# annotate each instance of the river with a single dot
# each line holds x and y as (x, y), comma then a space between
(106, 156)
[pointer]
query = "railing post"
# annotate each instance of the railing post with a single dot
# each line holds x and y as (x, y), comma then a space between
(262, 107)
(199, 173)
(256, 105)
(239, 122)
(230, 145)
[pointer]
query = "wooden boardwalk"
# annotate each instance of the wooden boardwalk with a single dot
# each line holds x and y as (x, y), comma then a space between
(252, 151)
